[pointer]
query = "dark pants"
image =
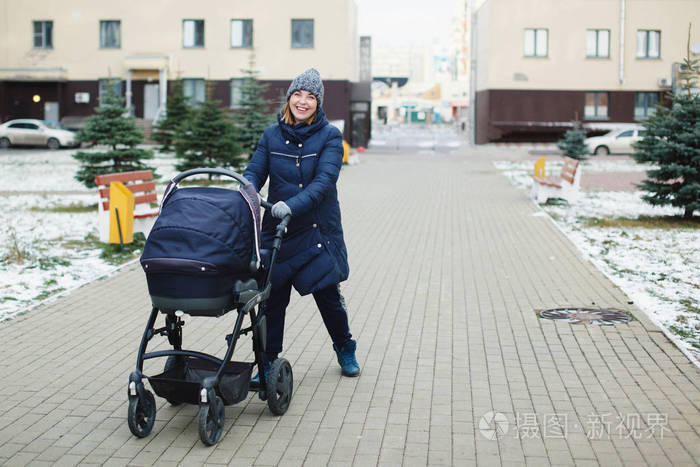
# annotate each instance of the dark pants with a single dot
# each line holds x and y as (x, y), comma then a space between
(330, 303)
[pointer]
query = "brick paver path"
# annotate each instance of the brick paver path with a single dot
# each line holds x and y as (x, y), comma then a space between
(448, 266)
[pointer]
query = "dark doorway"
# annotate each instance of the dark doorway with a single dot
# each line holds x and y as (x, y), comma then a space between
(359, 113)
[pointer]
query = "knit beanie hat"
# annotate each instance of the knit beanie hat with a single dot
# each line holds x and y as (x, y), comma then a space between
(310, 80)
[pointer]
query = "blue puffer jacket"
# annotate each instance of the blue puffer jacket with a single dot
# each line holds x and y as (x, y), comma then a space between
(303, 163)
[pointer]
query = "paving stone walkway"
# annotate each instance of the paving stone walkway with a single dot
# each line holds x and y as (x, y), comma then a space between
(449, 264)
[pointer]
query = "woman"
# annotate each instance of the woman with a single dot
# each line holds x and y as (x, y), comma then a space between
(302, 155)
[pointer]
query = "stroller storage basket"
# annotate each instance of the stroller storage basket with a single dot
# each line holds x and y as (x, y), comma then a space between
(182, 381)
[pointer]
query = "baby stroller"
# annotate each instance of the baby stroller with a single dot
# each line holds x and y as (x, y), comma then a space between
(202, 258)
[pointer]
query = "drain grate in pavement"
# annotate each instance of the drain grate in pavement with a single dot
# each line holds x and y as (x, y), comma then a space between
(586, 316)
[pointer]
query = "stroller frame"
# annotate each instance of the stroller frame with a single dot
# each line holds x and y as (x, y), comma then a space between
(200, 378)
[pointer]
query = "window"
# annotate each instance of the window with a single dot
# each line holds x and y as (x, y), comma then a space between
(193, 33)
(645, 104)
(535, 42)
(43, 34)
(598, 43)
(242, 33)
(625, 134)
(104, 86)
(110, 34)
(194, 90)
(596, 106)
(237, 92)
(648, 44)
(302, 33)
(24, 126)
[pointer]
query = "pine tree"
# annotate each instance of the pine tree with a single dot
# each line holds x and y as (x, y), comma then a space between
(573, 144)
(109, 127)
(208, 139)
(252, 114)
(672, 142)
(177, 113)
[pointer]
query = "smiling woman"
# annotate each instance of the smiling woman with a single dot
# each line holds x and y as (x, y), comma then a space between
(301, 155)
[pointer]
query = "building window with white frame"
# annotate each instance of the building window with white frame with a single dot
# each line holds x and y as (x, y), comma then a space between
(598, 43)
(536, 42)
(194, 89)
(237, 92)
(648, 43)
(241, 33)
(302, 33)
(43, 34)
(596, 106)
(193, 33)
(645, 104)
(110, 34)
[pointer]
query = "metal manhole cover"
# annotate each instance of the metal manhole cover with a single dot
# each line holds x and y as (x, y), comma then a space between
(586, 315)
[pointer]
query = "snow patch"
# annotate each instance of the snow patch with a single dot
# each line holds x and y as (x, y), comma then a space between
(44, 253)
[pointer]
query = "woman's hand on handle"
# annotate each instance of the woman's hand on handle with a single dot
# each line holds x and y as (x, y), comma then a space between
(285, 218)
(280, 210)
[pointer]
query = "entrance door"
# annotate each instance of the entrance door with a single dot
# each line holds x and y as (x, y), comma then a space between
(151, 101)
(51, 111)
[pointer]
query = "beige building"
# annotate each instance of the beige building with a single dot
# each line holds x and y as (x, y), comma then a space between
(56, 57)
(540, 64)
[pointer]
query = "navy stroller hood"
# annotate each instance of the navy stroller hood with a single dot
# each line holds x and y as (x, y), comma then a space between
(203, 242)
(212, 225)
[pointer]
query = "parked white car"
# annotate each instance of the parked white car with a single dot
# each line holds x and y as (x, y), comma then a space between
(28, 132)
(615, 142)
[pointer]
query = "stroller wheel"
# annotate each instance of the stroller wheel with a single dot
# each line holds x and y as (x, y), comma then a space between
(211, 420)
(280, 383)
(142, 414)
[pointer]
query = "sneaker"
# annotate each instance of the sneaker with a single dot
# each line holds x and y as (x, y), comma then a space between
(346, 358)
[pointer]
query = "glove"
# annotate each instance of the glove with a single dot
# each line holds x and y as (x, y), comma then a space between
(280, 209)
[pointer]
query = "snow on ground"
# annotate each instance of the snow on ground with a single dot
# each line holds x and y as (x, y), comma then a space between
(656, 267)
(43, 253)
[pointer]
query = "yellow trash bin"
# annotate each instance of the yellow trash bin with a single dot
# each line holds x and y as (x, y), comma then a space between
(539, 167)
(121, 199)
(346, 152)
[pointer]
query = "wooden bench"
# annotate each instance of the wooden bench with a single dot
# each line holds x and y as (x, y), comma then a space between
(566, 186)
(141, 184)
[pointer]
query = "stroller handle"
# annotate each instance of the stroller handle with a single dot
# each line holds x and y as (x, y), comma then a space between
(211, 171)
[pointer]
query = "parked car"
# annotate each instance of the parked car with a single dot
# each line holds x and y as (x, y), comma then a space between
(615, 142)
(28, 132)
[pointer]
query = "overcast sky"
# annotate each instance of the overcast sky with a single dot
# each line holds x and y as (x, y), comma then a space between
(405, 22)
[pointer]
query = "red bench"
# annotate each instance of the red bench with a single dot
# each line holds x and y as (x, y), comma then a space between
(141, 184)
(567, 186)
